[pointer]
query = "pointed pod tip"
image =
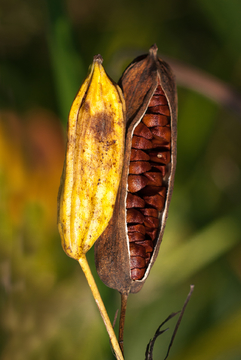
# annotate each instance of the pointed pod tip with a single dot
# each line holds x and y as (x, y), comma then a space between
(98, 58)
(153, 50)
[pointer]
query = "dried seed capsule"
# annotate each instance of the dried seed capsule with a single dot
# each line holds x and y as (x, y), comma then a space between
(149, 89)
(93, 163)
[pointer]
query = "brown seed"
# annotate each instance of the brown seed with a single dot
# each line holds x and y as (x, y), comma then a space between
(136, 182)
(152, 233)
(150, 190)
(163, 157)
(151, 120)
(159, 91)
(149, 212)
(134, 216)
(135, 236)
(161, 168)
(151, 222)
(157, 201)
(147, 244)
(137, 262)
(161, 109)
(148, 257)
(139, 155)
(160, 144)
(157, 145)
(141, 143)
(162, 132)
(157, 100)
(162, 192)
(143, 130)
(154, 178)
(137, 274)
(139, 167)
(136, 228)
(137, 250)
(134, 201)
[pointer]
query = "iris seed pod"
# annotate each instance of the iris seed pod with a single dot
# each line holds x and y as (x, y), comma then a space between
(127, 249)
(93, 162)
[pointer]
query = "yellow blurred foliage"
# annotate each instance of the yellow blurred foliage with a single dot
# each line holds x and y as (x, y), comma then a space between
(31, 159)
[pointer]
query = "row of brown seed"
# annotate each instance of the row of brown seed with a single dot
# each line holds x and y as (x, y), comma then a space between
(150, 153)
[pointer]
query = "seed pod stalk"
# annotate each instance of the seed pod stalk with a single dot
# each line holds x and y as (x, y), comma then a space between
(99, 302)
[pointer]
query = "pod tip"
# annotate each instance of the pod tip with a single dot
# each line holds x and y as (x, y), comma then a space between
(98, 58)
(153, 50)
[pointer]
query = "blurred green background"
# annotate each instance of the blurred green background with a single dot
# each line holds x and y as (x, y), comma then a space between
(47, 311)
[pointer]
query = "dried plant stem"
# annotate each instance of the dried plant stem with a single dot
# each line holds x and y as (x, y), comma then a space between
(92, 284)
(124, 298)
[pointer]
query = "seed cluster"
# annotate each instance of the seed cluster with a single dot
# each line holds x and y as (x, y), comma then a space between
(150, 154)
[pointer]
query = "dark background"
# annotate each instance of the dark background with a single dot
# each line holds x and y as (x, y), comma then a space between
(47, 311)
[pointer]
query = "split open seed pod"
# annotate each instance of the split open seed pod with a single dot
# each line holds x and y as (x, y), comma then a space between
(127, 249)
